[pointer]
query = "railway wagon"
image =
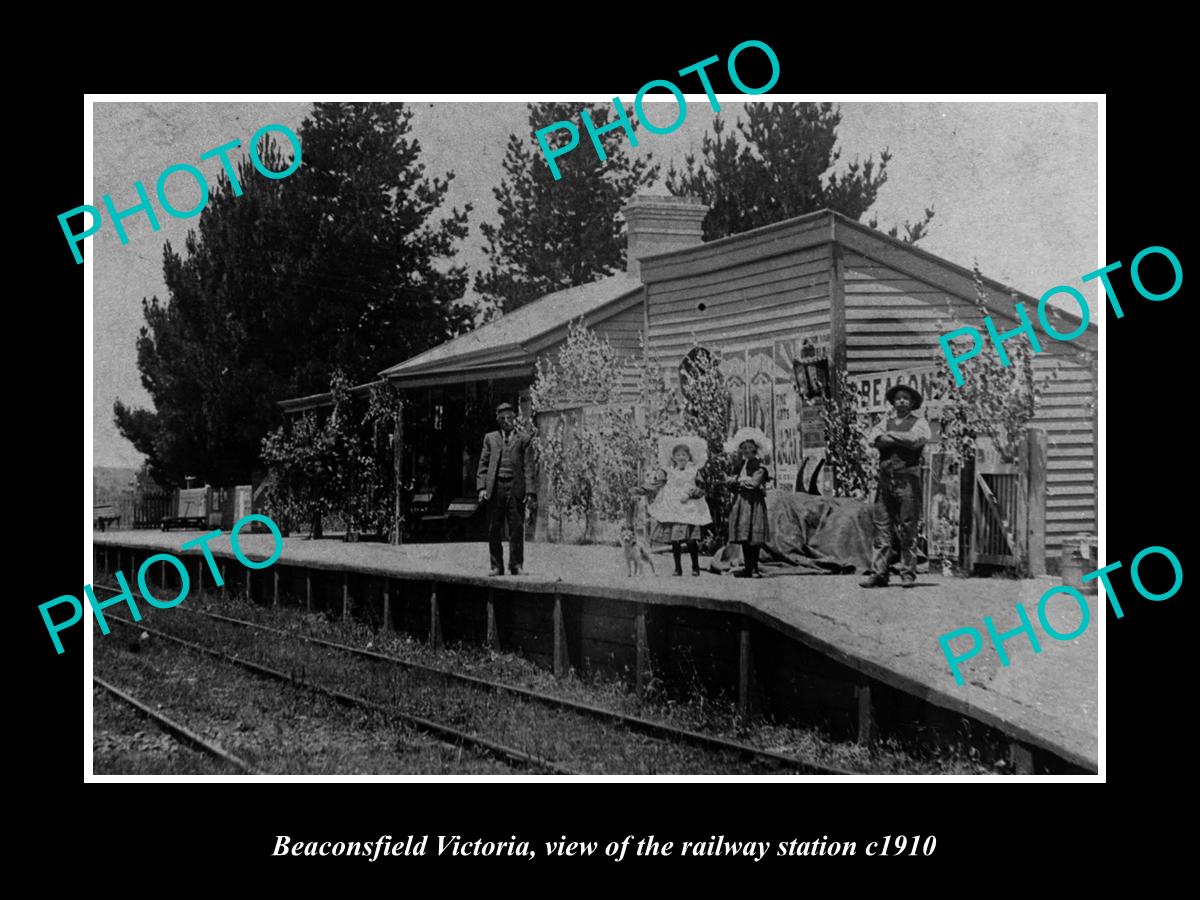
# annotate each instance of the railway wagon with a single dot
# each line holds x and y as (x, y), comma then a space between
(206, 507)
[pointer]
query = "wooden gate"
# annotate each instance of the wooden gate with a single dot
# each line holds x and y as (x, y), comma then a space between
(996, 510)
(1003, 520)
(145, 509)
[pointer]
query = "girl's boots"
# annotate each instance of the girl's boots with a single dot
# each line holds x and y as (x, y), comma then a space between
(750, 557)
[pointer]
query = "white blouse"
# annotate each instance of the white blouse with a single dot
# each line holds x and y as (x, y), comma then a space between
(673, 504)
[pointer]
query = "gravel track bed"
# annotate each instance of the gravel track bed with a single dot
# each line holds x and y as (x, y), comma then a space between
(125, 742)
(276, 728)
(632, 754)
(697, 712)
(572, 739)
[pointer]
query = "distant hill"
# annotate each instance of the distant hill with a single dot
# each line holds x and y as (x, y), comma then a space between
(109, 481)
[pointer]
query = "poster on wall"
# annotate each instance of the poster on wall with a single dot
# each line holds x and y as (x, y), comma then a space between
(733, 367)
(812, 452)
(780, 387)
(787, 415)
(803, 363)
(786, 439)
(940, 521)
(761, 370)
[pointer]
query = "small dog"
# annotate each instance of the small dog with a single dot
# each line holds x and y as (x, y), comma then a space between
(635, 553)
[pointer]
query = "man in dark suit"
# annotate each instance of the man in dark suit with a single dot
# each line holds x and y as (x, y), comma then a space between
(505, 478)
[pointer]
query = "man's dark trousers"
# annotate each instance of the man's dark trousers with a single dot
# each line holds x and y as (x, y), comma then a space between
(897, 510)
(503, 505)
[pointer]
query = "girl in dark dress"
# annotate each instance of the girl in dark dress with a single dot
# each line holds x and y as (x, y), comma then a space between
(748, 523)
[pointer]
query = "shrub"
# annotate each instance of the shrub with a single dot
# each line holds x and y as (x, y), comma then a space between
(847, 452)
(995, 400)
(595, 454)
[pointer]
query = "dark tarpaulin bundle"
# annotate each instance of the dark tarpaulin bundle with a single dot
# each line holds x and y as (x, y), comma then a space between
(811, 535)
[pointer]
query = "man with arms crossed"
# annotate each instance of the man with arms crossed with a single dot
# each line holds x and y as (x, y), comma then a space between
(900, 440)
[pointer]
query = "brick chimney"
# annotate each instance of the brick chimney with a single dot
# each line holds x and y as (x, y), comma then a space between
(658, 223)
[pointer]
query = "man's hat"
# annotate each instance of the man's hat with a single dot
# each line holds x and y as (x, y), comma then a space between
(505, 407)
(895, 388)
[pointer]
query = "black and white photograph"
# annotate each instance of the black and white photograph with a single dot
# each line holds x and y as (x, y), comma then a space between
(494, 440)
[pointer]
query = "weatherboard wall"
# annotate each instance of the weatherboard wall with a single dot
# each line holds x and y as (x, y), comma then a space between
(893, 321)
(743, 294)
(623, 331)
(1067, 412)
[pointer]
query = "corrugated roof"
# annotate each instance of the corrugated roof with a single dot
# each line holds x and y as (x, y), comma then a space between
(502, 340)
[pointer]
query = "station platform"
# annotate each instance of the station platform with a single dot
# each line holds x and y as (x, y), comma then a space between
(869, 655)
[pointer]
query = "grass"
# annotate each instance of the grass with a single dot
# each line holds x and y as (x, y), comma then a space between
(579, 742)
(275, 727)
(125, 742)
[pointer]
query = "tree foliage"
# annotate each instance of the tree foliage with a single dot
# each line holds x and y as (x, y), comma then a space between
(300, 455)
(338, 464)
(852, 460)
(583, 376)
(782, 167)
(585, 371)
(706, 403)
(339, 266)
(143, 481)
(595, 454)
(559, 234)
(994, 401)
(375, 502)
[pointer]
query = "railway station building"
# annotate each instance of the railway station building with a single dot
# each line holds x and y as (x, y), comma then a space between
(786, 308)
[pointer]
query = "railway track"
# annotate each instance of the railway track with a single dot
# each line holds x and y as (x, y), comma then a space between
(633, 723)
(658, 731)
(445, 732)
(177, 730)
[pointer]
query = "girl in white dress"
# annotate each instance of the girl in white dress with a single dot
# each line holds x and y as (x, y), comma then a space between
(679, 510)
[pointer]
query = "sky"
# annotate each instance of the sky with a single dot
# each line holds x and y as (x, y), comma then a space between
(1013, 185)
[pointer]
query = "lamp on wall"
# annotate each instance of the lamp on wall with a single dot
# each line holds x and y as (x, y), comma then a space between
(811, 373)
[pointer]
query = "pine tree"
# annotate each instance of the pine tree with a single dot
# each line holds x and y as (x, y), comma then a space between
(559, 234)
(336, 267)
(779, 169)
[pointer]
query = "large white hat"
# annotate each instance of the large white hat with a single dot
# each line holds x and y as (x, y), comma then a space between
(749, 433)
(696, 446)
